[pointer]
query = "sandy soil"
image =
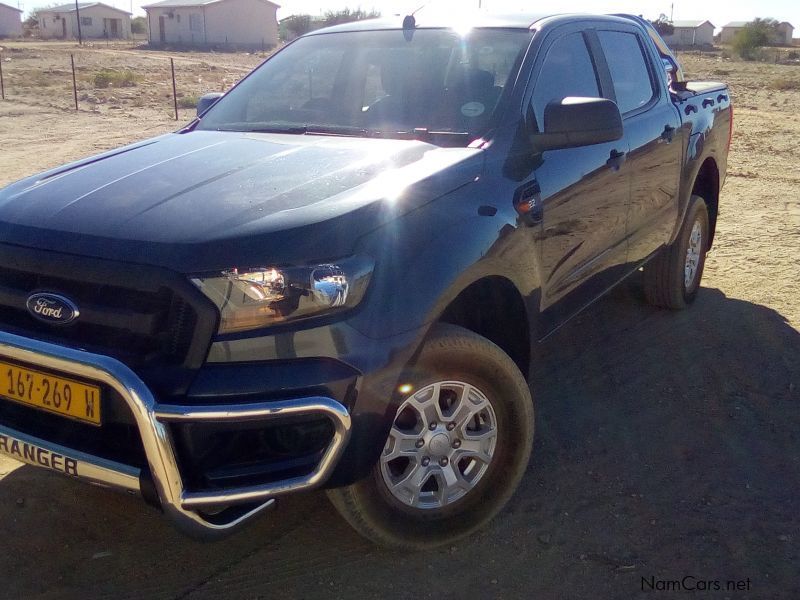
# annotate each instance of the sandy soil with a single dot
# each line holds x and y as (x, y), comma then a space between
(667, 443)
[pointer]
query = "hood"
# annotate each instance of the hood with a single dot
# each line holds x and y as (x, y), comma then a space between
(204, 200)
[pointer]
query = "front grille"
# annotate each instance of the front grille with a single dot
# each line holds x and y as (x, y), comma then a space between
(146, 317)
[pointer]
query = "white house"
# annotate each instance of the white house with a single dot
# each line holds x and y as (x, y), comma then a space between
(782, 36)
(98, 21)
(10, 21)
(691, 33)
(237, 23)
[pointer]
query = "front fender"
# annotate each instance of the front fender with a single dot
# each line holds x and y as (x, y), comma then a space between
(425, 259)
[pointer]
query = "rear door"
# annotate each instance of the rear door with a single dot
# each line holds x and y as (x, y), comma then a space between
(584, 192)
(653, 134)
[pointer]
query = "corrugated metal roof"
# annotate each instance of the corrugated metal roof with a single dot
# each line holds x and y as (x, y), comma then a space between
(690, 24)
(736, 24)
(67, 8)
(187, 3)
(11, 7)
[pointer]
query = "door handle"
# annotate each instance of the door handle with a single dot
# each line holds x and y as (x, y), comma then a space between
(668, 134)
(616, 159)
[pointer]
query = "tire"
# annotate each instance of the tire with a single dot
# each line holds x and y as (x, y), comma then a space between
(484, 410)
(667, 282)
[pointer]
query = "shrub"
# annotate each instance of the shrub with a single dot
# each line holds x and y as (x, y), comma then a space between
(188, 101)
(108, 78)
(785, 84)
(747, 42)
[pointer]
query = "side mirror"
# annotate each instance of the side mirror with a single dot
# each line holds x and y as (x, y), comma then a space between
(206, 101)
(574, 122)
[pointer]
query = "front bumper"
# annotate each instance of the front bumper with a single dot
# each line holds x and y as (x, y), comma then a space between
(202, 513)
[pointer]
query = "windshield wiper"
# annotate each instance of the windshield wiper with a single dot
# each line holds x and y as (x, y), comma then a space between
(305, 129)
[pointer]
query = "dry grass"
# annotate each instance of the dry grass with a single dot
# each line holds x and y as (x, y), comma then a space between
(785, 84)
(118, 79)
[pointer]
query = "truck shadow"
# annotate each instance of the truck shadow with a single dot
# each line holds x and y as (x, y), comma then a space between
(666, 445)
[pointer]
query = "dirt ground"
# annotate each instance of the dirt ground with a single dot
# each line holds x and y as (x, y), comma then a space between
(668, 444)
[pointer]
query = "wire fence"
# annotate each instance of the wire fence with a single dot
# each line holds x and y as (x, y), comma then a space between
(106, 78)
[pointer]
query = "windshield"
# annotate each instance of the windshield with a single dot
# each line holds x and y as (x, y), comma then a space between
(437, 84)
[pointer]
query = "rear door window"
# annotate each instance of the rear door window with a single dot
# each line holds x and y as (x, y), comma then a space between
(626, 60)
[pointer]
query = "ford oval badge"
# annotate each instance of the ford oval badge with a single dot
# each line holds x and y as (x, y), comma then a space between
(52, 308)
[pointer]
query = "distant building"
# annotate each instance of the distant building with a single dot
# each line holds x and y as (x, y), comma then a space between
(785, 31)
(238, 23)
(10, 21)
(98, 22)
(691, 33)
(781, 37)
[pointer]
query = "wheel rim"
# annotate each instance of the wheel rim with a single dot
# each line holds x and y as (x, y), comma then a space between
(693, 254)
(440, 445)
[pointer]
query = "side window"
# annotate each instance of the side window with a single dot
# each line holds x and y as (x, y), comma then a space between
(567, 71)
(627, 63)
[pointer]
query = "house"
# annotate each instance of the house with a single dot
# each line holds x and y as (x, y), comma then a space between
(782, 36)
(10, 21)
(236, 23)
(97, 21)
(691, 33)
(784, 31)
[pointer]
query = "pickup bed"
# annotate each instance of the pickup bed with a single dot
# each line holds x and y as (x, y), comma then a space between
(336, 274)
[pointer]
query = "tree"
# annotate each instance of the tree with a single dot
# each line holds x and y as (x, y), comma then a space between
(347, 15)
(139, 25)
(297, 25)
(30, 26)
(754, 35)
(663, 25)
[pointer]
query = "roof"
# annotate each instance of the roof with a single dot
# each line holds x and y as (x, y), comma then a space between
(68, 8)
(436, 19)
(691, 24)
(736, 24)
(11, 7)
(188, 3)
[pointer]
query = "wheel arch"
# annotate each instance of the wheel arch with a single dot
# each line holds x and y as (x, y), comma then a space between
(494, 308)
(707, 186)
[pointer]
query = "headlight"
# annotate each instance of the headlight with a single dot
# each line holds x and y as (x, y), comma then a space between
(259, 297)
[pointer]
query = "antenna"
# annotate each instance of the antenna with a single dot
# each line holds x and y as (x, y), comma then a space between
(409, 22)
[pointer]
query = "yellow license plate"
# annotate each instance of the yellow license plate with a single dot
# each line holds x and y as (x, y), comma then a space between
(49, 392)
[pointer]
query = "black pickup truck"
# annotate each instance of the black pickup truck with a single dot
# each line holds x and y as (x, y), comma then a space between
(335, 276)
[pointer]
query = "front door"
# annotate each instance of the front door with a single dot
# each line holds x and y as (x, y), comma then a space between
(114, 27)
(161, 33)
(64, 28)
(583, 193)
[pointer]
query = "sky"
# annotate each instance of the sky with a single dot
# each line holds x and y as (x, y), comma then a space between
(718, 12)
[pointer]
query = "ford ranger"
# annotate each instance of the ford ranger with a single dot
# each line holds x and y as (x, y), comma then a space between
(335, 276)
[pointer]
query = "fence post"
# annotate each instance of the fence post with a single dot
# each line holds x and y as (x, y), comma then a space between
(2, 83)
(174, 90)
(74, 83)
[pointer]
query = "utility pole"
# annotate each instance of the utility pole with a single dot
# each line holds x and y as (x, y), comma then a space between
(671, 11)
(78, 18)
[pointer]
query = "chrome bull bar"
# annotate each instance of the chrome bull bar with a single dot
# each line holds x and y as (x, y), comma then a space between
(180, 505)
